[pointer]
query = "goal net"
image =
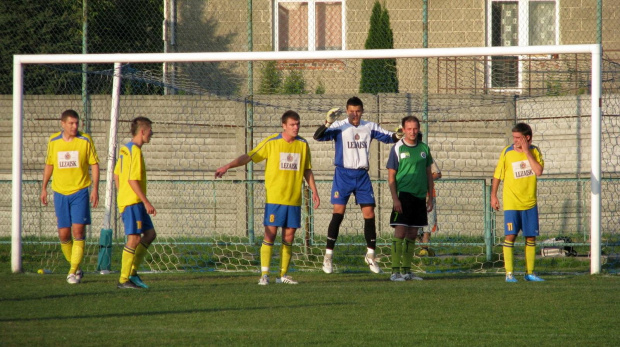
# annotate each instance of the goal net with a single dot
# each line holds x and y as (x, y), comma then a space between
(210, 108)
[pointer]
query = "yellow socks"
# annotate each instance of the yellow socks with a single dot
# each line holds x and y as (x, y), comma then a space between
(285, 257)
(141, 252)
(509, 255)
(126, 263)
(77, 254)
(265, 257)
(530, 256)
(67, 249)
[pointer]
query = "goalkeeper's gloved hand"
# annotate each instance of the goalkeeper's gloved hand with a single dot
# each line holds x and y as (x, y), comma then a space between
(332, 115)
(400, 133)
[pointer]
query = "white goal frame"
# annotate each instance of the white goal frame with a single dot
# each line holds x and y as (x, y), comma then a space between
(595, 50)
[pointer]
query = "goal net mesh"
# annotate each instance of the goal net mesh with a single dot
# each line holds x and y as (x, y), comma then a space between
(208, 113)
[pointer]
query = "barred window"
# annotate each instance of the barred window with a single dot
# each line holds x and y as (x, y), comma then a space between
(514, 22)
(309, 25)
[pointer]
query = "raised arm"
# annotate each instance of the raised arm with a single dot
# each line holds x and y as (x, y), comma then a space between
(239, 161)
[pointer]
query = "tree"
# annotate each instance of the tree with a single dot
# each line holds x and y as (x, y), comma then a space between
(34, 26)
(55, 27)
(294, 83)
(271, 79)
(379, 75)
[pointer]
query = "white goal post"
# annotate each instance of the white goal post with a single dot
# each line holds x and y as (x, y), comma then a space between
(595, 50)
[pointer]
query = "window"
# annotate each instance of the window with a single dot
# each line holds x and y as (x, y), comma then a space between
(519, 23)
(309, 25)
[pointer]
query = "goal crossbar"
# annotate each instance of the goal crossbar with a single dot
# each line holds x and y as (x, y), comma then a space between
(595, 51)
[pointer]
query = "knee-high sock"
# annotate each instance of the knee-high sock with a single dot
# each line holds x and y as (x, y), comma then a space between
(530, 256)
(333, 230)
(141, 252)
(67, 249)
(265, 257)
(370, 233)
(126, 263)
(397, 251)
(285, 257)
(77, 254)
(508, 255)
(407, 257)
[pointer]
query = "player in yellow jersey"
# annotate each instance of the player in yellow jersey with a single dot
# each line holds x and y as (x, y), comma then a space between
(70, 153)
(134, 206)
(519, 166)
(288, 164)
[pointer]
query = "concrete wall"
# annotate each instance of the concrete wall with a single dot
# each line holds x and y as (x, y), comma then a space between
(194, 135)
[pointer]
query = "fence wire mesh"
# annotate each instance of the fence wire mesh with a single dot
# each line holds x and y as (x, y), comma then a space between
(469, 102)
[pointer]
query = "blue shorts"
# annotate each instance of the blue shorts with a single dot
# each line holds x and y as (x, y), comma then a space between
(72, 209)
(283, 216)
(136, 220)
(352, 181)
(527, 220)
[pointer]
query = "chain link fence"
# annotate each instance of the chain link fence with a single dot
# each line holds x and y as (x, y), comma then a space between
(464, 101)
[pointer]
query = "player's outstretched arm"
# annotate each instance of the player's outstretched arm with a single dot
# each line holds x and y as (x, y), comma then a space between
(398, 134)
(330, 117)
(239, 161)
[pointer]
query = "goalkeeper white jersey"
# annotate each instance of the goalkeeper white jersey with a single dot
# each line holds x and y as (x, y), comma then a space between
(353, 142)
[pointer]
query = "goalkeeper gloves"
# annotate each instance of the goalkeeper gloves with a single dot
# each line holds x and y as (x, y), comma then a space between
(399, 133)
(332, 115)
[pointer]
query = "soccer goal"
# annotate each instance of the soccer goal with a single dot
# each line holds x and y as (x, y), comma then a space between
(209, 108)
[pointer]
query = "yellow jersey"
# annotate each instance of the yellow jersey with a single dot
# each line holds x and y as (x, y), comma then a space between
(285, 168)
(519, 179)
(71, 161)
(129, 166)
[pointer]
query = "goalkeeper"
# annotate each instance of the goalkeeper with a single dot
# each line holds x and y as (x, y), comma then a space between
(352, 137)
(410, 180)
(288, 163)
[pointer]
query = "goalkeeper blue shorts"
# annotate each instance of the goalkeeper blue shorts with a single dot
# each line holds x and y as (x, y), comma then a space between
(283, 216)
(526, 220)
(352, 181)
(136, 219)
(72, 209)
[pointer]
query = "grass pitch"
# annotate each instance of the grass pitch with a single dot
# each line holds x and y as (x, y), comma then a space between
(230, 309)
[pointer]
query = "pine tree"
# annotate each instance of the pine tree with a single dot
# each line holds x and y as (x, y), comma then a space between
(379, 75)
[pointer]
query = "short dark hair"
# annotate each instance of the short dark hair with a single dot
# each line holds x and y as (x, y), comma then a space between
(69, 113)
(139, 122)
(523, 128)
(290, 114)
(355, 101)
(409, 119)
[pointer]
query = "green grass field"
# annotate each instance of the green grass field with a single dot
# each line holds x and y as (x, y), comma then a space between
(230, 309)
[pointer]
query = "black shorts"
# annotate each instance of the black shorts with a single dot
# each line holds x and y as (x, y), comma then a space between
(414, 212)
